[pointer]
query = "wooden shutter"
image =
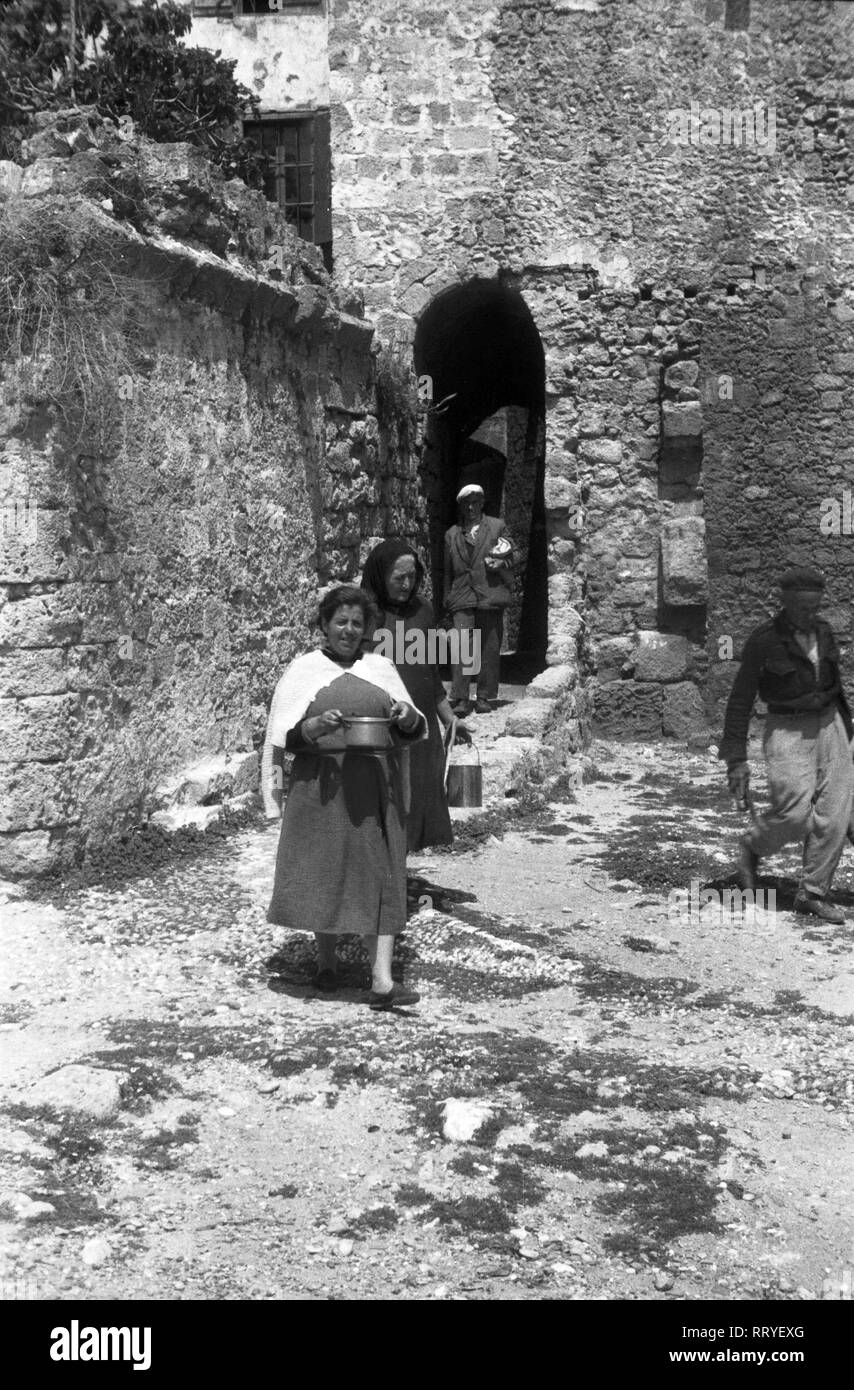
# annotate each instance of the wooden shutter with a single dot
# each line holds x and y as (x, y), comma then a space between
(322, 179)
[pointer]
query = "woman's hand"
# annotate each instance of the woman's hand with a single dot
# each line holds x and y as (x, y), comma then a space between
(462, 734)
(325, 723)
(404, 716)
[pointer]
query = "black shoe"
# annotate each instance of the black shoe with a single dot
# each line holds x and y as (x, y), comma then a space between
(748, 867)
(461, 708)
(396, 998)
(326, 980)
(482, 707)
(811, 906)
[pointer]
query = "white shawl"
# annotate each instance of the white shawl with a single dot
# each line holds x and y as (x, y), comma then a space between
(296, 689)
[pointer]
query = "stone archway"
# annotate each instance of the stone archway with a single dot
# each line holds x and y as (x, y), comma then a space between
(479, 345)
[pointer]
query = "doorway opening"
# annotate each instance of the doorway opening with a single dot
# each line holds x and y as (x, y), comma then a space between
(479, 346)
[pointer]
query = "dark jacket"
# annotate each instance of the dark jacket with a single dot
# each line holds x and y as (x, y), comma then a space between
(775, 666)
(468, 582)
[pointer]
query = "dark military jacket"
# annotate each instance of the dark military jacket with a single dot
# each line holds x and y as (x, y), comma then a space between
(775, 667)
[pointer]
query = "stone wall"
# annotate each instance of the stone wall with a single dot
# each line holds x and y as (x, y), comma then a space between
(536, 143)
(282, 57)
(164, 536)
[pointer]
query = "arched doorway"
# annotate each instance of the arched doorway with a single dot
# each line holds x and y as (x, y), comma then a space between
(480, 346)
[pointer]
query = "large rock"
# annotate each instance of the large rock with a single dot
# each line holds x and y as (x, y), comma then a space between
(213, 778)
(629, 709)
(561, 495)
(11, 175)
(87, 1090)
(661, 656)
(552, 682)
(682, 373)
(25, 854)
(683, 712)
(683, 557)
(463, 1119)
(21, 1207)
(528, 719)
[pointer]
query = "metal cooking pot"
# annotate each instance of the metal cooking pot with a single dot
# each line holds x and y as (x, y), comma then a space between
(367, 731)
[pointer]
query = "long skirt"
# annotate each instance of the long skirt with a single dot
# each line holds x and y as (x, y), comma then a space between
(341, 862)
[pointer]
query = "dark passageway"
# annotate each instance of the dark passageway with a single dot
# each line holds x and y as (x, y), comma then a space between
(479, 345)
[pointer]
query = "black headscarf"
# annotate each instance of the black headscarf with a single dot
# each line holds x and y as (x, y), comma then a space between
(377, 566)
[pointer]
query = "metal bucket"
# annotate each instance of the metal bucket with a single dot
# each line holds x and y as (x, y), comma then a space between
(367, 731)
(465, 783)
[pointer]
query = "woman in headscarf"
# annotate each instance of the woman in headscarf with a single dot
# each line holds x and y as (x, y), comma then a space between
(393, 575)
(341, 864)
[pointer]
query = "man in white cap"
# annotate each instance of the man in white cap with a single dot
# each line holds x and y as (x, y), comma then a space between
(478, 587)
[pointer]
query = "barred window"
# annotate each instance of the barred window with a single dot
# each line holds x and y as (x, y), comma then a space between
(265, 7)
(297, 172)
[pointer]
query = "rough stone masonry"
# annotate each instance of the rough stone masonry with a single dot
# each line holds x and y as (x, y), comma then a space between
(693, 295)
(168, 517)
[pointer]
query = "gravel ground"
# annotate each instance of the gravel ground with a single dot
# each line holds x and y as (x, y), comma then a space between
(595, 1098)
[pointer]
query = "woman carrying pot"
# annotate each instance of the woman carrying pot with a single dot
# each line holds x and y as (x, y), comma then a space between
(478, 577)
(341, 863)
(393, 576)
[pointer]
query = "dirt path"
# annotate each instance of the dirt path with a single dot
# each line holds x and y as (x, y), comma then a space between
(640, 1107)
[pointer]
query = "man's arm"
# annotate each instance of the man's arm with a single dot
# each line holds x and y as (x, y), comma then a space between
(733, 746)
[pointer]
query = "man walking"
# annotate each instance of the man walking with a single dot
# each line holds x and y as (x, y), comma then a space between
(478, 587)
(792, 663)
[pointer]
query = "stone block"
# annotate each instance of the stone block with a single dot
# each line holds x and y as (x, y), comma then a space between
(661, 656)
(528, 719)
(628, 709)
(33, 544)
(26, 854)
(614, 658)
(683, 712)
(33, 795)
(560, 494)
(681, 374)
(552, 682)
(11, 176)
(682, 418)
(43, 176)
(601, 451)
(36, 728)
(86, 1090)
(683, 554)
(468, 138)
(37, 671)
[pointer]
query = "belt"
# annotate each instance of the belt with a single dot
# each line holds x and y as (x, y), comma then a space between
(780, 713)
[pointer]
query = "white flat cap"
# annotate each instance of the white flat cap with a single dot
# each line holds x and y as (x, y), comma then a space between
(469, 491)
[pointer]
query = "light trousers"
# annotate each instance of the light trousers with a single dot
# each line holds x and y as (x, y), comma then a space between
(811, 784)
